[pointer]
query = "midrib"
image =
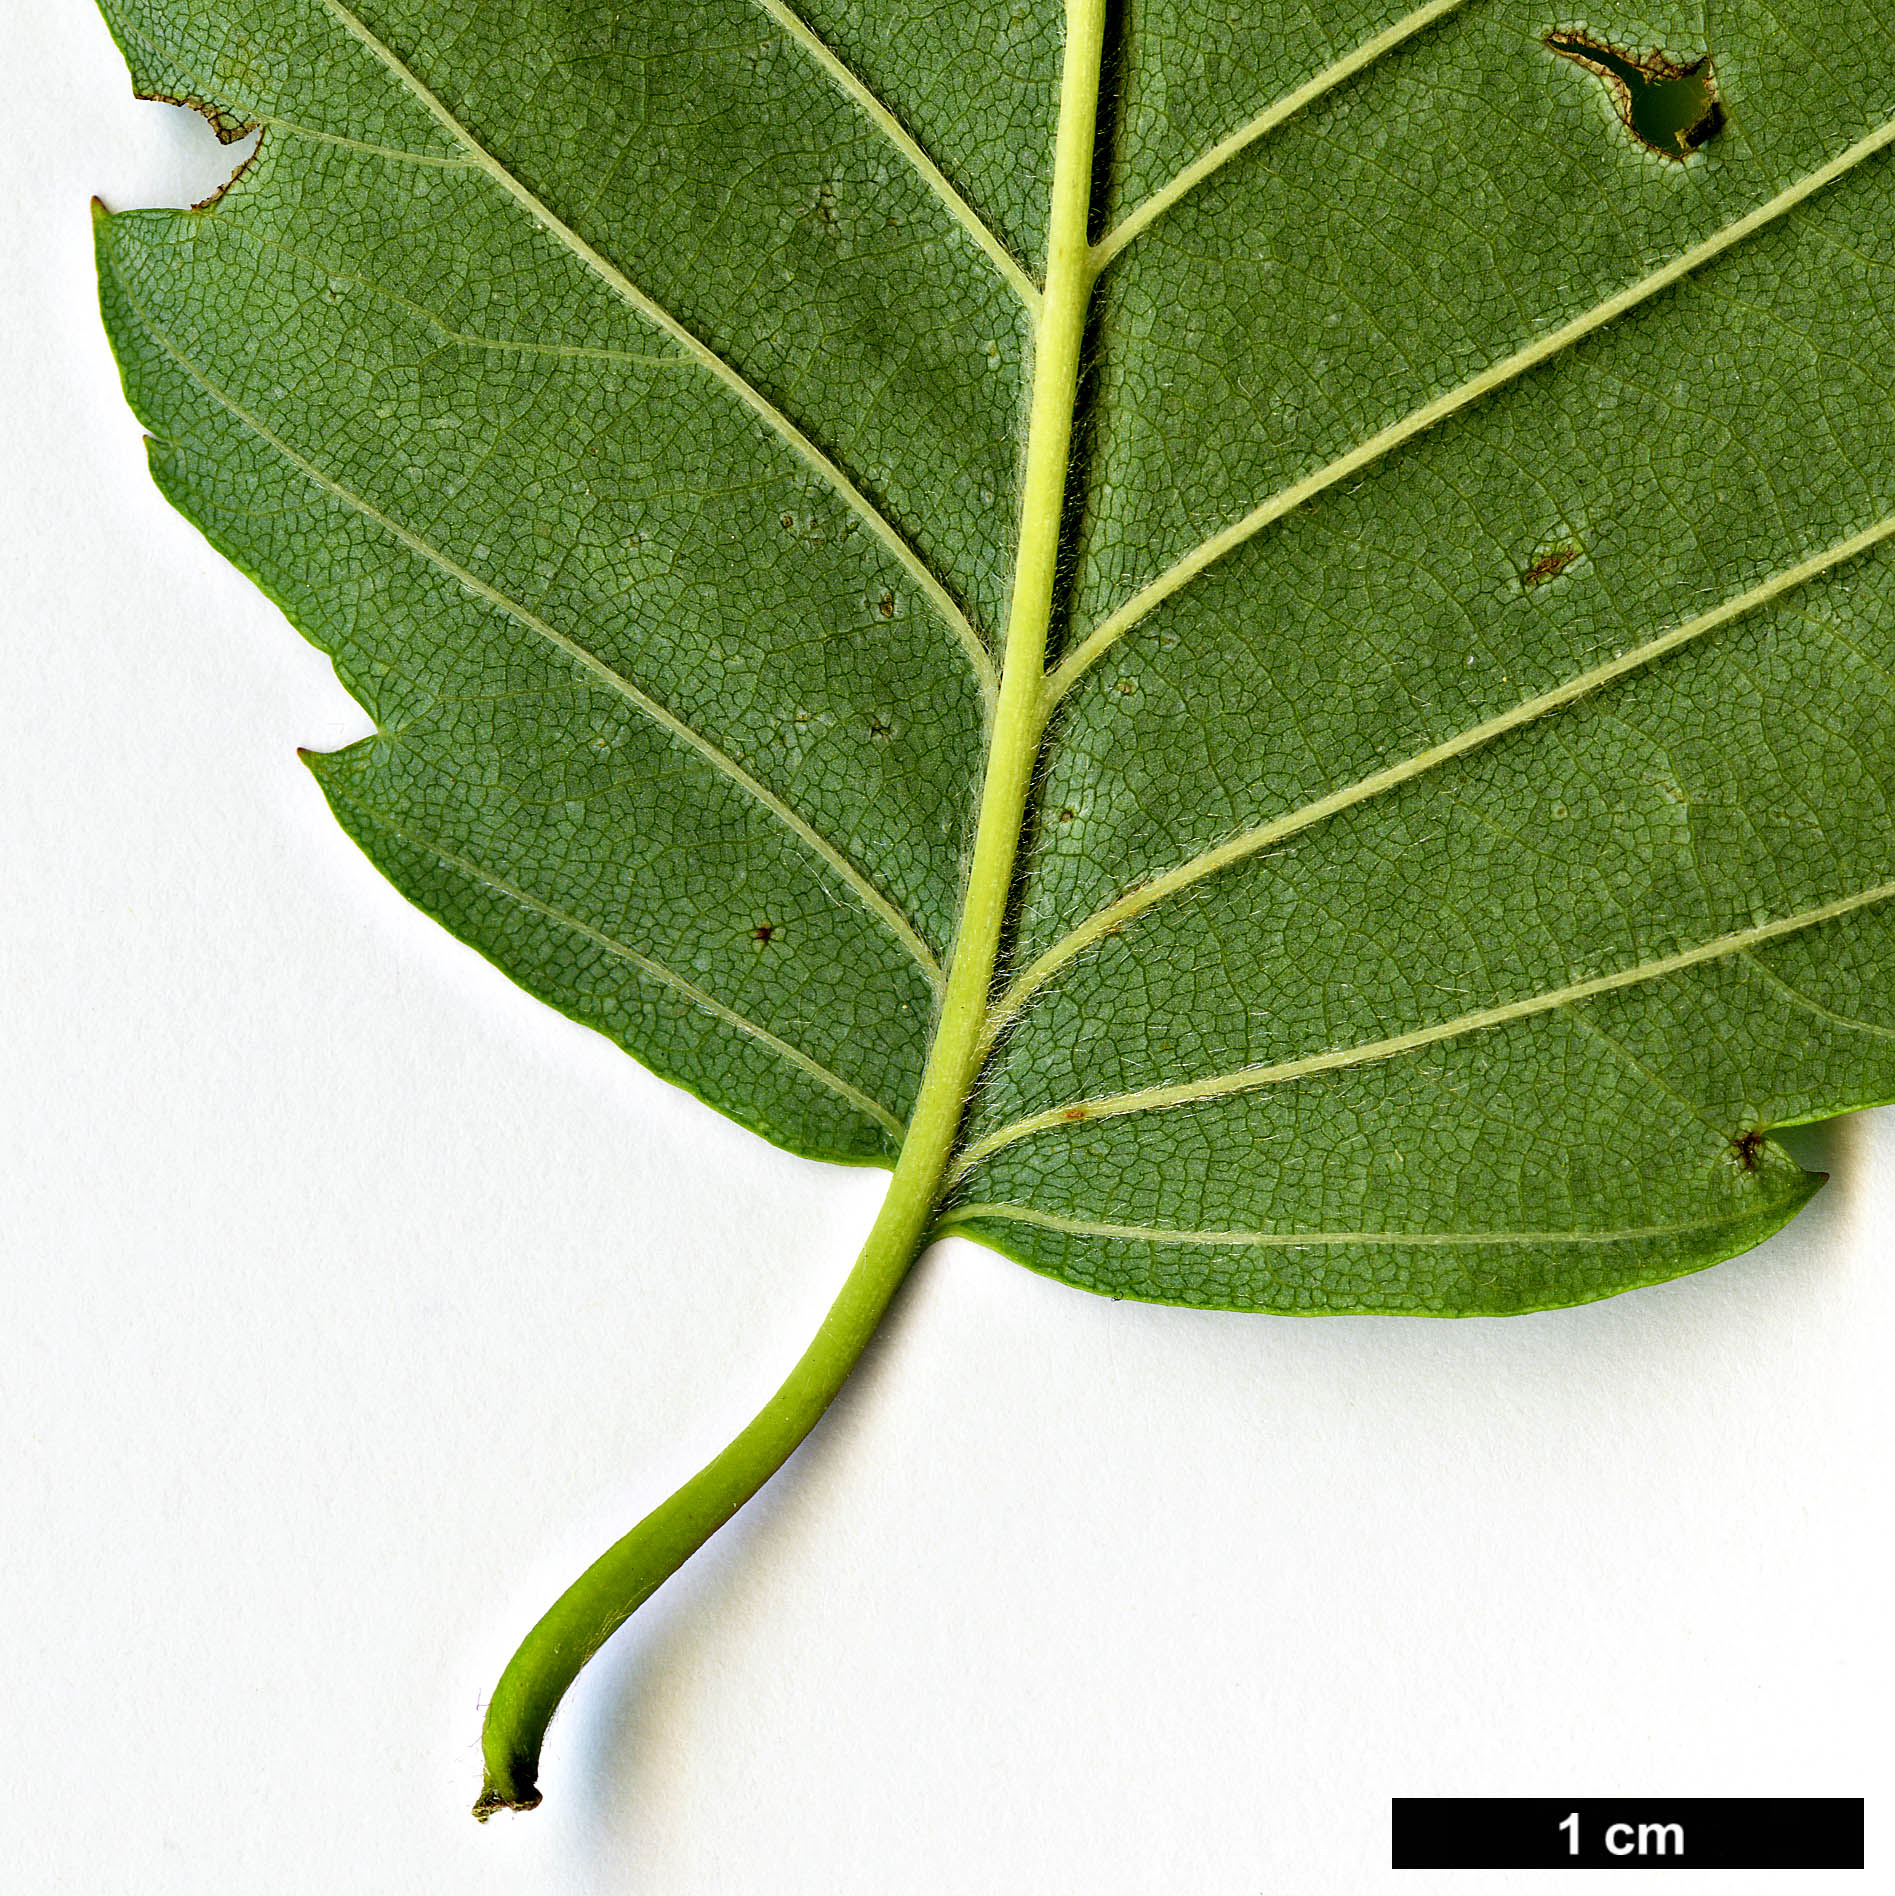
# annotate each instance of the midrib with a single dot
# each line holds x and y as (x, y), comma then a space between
(955, 1053)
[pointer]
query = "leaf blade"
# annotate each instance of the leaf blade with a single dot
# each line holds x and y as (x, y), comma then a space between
(1369, 329)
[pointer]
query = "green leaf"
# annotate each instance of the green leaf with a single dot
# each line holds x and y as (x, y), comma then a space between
(1254, 640)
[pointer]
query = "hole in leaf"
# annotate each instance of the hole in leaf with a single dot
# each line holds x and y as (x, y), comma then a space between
(1670, 109)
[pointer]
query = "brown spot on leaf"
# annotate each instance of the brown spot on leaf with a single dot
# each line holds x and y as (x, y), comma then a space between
(763, 931)
(1747, 1145)
(1549, 565)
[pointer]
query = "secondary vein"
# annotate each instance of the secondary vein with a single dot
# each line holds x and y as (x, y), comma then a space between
(645, 963)
(1114, 915)
(615, 279)
(1154, 207)
(1294, 1240)
(846, 871)
(898, 135)
(432, 320)
(1852, 1022)
(1276, 1073)
(391, 154)
(1111, 629)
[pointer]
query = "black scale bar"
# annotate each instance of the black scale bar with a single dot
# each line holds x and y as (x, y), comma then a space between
(1632, 1833)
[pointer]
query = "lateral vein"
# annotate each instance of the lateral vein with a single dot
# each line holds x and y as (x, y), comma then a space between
(1248, 842)
(898, 135)
(1275, 1073)
(1111, 629)
(645, 963)
(394, 154)
(1154, 207)
(1850, 1021)
(818, 844)
(1296, 1240)
(751, 396)
(431, 319)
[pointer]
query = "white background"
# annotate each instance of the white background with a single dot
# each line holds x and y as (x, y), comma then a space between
(354, 1301)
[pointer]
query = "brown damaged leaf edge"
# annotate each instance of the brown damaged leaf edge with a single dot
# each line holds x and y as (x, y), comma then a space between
(229, 130)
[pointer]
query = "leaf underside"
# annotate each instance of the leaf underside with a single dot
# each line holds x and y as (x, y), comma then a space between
(1464, 826)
